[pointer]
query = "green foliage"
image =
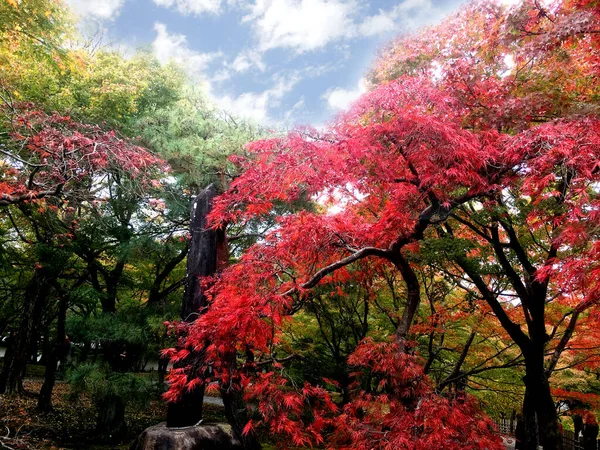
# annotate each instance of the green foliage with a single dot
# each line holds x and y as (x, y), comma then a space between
(196, 139)
(116, 90)
(99, 382)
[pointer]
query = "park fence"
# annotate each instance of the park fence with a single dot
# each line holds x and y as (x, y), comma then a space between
(507, 427)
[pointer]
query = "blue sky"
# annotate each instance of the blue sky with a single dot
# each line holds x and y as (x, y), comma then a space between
(278, 62)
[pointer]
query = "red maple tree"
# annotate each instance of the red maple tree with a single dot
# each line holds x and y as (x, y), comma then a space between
(453, 144)
(51, 155)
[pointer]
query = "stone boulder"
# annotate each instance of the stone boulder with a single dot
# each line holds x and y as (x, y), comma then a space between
(199, 437)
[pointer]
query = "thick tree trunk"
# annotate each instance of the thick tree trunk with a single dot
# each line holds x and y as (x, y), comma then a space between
(590, 436)
(111, 418)
(207, 253)
(236, 412)
(202, 255)
(201, 262)
(36, 293)
(542, 426)
(58, 353)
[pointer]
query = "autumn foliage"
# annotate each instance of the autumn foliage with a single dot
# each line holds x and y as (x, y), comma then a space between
(54, 155)
(481, 133)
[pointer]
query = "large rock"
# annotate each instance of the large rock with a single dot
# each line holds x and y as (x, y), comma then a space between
(200, 437)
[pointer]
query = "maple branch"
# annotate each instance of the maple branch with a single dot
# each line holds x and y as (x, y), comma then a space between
(515, 245)
(512, 363)
(513, 276)
(12, 221)
(8, 199)
(512, 328)
(461, 359)
(471, 226)
(279, 361)
(413, 298)
(497, 354)
(407, 180)
(322, 273)
(563, 343)
(16, 158)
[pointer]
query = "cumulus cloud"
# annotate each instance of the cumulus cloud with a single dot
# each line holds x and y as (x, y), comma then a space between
(339, 98)
(192, 7)
(307, 25)
(256, 105)
(97, 9)
(300, 25)
(381, 23)
(174, 47)
(253, 105)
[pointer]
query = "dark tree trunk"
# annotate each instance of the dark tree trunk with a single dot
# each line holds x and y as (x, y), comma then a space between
(207, 254)
(236, 412)
(36, 293)
(202, 255)
(201, 262)
(111, 418)
(541, 420)
(163, 363)
(46, 346)
(513, 418)
(413, 299)
(58, 353)
(590, 436)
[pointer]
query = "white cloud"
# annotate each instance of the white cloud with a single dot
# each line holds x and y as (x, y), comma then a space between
(307, 25)
(339, 98)
(174, 47)
(383, 22)
(220, 76)
(405, 16)
(97, 9)
(248, 59)
(302, 25)
(256, 105)
(192, 7)
(253, 105)
(292, 113)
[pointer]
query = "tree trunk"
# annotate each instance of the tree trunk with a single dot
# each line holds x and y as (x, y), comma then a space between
(577, 425)
(58, 353)
(413, 299)
(202, 255)
(201, 262)
(111, 417)
(36, 293)
(207, 253)
(542, 426)
(236, 412)
(590, 436)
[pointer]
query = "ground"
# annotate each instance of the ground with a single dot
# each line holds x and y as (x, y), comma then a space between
(71, 424)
